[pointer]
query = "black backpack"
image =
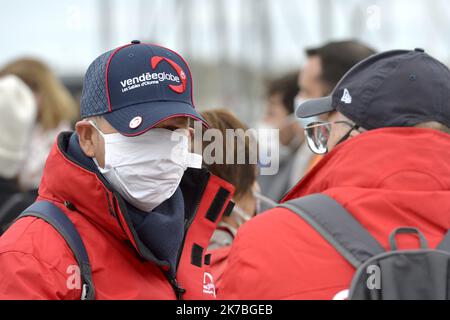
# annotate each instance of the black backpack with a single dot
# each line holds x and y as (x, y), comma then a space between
(422, 274)
(58, 219)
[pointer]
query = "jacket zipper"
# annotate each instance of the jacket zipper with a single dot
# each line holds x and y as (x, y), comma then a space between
(179, 291)
(189, 222)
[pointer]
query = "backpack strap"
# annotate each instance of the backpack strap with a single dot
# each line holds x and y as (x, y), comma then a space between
(445, 243)
(54, 216)
(337, 226)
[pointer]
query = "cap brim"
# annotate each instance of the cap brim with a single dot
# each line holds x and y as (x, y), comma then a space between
(314, 107)
(151, 114)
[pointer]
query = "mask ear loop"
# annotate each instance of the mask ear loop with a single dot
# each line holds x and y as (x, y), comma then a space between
(347, 135)
(102, 170)
(96, 127)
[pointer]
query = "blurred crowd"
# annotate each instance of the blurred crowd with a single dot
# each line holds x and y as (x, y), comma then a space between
(36, 107)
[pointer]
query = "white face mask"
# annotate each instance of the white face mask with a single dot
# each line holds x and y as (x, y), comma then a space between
(147, 169)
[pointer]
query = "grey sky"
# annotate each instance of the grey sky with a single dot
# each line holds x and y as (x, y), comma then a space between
(67, 33)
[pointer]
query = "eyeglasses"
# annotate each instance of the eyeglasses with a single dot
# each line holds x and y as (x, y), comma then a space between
(317, 134)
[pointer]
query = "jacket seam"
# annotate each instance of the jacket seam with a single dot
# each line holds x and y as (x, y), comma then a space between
(381, 180)
(29, 253)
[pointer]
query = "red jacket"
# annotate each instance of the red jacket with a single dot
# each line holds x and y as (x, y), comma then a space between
(35, 260)
(385, 178)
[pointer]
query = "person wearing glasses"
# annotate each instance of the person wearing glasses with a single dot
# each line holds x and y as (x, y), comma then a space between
(324, 67)
(387, 151)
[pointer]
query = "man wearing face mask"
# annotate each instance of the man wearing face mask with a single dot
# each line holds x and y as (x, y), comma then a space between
(142, 205)
(387, 165)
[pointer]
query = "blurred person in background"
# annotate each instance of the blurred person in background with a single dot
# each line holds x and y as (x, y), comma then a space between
(17, 117)
(323, 69)
(386, 167)
(57, 111)
(242, 176)
(279, 114)
(326, 65)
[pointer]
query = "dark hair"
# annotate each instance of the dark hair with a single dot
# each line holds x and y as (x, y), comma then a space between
(339, 57)
(242, 176)
(287, 87)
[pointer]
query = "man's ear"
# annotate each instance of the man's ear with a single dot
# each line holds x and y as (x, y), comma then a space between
(86, 136)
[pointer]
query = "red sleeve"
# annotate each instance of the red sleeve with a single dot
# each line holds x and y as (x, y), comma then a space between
(23, 277)
(241, 274)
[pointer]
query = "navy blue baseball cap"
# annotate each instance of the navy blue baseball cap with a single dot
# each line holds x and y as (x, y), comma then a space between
(137, 86)
(399, 88)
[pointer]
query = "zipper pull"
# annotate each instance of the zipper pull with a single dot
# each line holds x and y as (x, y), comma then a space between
(179, 291)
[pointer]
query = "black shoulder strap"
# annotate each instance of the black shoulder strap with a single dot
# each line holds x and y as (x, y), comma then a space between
(337, 226)
(55, 217)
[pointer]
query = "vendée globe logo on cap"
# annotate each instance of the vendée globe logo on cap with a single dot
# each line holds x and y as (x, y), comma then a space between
(153, 78)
